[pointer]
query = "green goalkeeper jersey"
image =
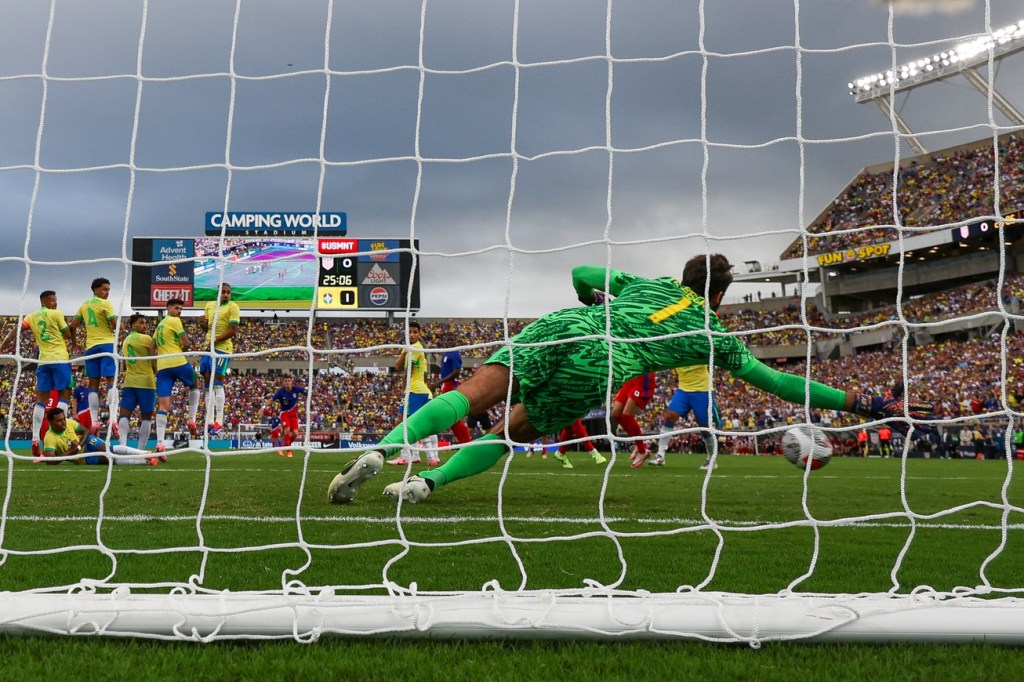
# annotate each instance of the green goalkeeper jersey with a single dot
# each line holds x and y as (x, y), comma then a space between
(652, 325)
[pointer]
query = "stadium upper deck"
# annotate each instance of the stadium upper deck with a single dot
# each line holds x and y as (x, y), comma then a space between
(933, 191)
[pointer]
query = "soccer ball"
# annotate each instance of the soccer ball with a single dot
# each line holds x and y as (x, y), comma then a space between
(805, 446)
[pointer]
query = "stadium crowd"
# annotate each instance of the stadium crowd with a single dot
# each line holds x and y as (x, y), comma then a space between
(935, 190)
(960, 377)
(784, 326)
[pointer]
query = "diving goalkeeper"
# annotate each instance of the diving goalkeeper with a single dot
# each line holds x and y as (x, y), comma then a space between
(557, 369)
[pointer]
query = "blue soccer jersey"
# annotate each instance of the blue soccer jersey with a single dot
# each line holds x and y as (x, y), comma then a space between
(451, 361)
(288, 399)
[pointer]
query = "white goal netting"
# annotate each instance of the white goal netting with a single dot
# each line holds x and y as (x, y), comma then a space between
(512, 141)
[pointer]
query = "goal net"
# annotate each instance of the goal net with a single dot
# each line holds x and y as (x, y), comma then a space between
(509, 142)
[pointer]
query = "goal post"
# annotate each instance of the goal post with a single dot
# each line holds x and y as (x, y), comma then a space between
(707, 616)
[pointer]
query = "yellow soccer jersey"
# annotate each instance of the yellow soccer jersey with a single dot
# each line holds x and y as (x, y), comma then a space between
(58, 443)
(167, 337)
(97, 314)
(48, 325)
(694, 379)
(229, 314)
(417, 360)
(138, 373)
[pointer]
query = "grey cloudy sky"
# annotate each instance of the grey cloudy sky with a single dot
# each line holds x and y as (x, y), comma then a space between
(723, 144)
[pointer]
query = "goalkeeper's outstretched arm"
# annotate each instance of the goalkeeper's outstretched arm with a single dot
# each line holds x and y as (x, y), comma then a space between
(797, 389)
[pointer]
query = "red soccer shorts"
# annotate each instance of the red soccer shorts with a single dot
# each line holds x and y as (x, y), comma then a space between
(638, 389)
(290, 420)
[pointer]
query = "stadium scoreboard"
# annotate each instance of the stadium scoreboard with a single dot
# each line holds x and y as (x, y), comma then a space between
(367, 274)
(273, 272)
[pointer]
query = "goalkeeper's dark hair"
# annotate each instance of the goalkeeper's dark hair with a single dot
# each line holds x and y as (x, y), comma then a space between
(695, 274)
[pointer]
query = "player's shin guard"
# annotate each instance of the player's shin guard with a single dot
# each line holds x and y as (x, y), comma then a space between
(94, 406)
(125, 451)
(710, 442)
(38, 414)
(122, 426)
(475, 458)
(122, 454)
(144, 428)
(218, 403)
(113, 398)
(193, 403)
(664, 439)
(434, 417)
(161, 426)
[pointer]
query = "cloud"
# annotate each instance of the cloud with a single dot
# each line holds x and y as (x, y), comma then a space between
(508, 176)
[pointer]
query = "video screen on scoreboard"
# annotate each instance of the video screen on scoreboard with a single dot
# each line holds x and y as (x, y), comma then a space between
(262, 272)
(288, 273)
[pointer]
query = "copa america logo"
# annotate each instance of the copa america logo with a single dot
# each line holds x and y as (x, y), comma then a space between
(378, 295)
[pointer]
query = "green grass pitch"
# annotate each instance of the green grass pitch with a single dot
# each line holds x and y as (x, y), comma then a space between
(157, 524)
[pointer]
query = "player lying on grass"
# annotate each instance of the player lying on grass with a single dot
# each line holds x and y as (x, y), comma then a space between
(557, 369)
(67, 438)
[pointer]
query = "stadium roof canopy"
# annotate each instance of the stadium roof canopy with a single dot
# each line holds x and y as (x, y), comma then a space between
(964, 60)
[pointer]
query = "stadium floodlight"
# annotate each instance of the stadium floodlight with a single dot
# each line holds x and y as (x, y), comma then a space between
(963, 60)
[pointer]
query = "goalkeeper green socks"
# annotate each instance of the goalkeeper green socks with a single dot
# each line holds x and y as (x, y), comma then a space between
(472, 459)
(436, 416)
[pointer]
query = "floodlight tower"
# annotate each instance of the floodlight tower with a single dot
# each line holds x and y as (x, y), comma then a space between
(963, 60)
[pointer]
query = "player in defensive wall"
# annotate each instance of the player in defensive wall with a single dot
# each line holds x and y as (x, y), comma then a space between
(97, 315)
(557, 383)
(220, 322)
(53, 371)
(172, 367)
(67, 438)
(139, 379)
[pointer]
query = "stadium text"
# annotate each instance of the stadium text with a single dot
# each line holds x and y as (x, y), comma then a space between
(334, 246)
(159, 295)
(176, 252)
(850, 255)
(266, 223)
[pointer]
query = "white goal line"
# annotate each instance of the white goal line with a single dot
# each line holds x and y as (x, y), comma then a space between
(723, 524)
